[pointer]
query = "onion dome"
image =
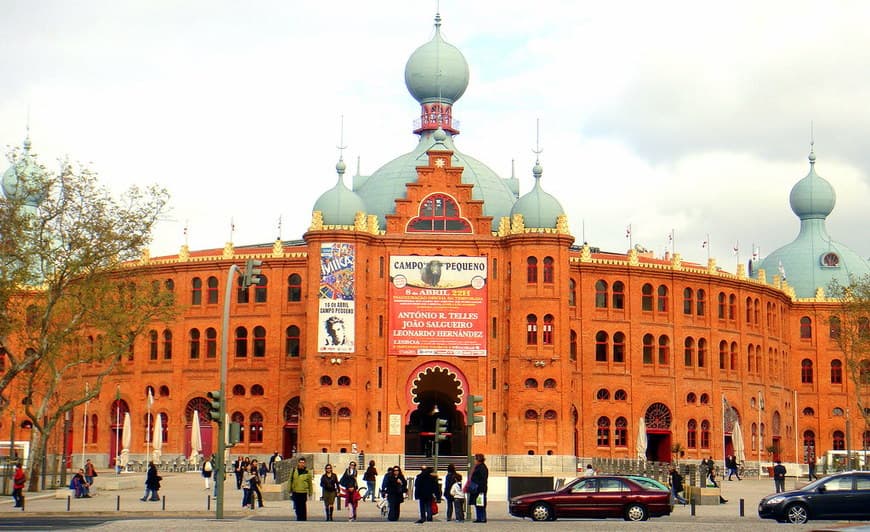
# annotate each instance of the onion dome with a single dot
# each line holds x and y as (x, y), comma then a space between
(21, 176)
(436, 71)
(339, 204)
(814, 259)
(538, 208)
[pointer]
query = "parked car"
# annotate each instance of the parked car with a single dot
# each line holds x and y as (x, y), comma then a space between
(598, 497)
(840, 496)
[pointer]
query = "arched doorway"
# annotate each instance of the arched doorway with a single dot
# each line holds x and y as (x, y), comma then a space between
(199, 406)
(118, 408)
(291, 428)
(436, 391)
(658, 432)
(732, 417)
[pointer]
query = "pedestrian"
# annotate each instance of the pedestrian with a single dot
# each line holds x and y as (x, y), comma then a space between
(351, 497)
(370, 476)
(262, 471)
(711, 481)
(477, 487)
(589, 472)
(732, 465)
(255, 482)
(275, 458)
(676, 481)
(458, 500)
(207, 469)
(779, 477)
(329, 489)
(152, 484)
(397, 487)
(90, 472)
(301, 488)
(811, 465)
(247, 499)
(427, 492)
(703, 471)
(19, 478)
(451, 478)
(349, 473)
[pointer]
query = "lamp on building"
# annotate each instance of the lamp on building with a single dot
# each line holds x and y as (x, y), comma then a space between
(335, 360)
(540, 363)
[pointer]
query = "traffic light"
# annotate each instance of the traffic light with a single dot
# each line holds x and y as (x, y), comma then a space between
(440, 429)
(235, 435)
(474, 407)
(252, 272)
(214, 409)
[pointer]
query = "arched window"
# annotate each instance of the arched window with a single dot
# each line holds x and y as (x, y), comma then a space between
(723, 353)
(572, 293)
(212, 291)
(618, 295)
(835, 328)
(648, 348)
(294, 287)
(94, 428)
(664, 350)
(600, 294)
(194, 344)
(325, 380)
(732, 307)
(547, 332)
(806, 371)
(549, 383)
(618, 347)
(243, 293)
(257, 390)
(259, 341)
(261, 290)
(646, 298)
(153, 340)
(531, 270)
(603, 431)
(733, 356)
(721, 306)
(211, 343)
(620, 395)
(344, 412)
(702, 352)
(701, 302)
(663, 298)
(549, 267)
(692, 434)
(550, 415)
(344, 380)
(838, 442)
(603, 394)
(749, 310)
(169, 285)
(756, 312)
(241, 342)
(620, 432)
(572, 353)
(239, 390)
(164, 391)
(531, 415)
(809, 412)
(704, 399)
(691, 398)
(439, 213)
(531, 383)
(256, 427)
(292, 341)
(705, 434)
(531, 329)
(836, 371)
(164, 420)
(806, 329)
(809, 440)
(324, 411)
(689, 351)
(601, 346)
(239, 418)
(167, 344)
(196, 291)
(688, 301)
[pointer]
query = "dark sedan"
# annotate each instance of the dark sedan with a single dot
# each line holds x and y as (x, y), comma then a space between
(597, 497)
(839, 496)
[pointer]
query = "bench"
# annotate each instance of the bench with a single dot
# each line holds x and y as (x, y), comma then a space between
(272, 492)
(703, 496)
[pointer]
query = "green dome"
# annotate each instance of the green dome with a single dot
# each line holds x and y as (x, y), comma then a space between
(814, 259)
(380, 190)
(339, 204)
(539, 209)
(25, 171)
(436, 71)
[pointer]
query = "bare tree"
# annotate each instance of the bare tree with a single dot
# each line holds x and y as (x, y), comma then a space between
(70, 303)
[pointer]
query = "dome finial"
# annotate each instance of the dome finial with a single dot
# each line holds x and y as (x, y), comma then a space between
(812, 143)
(438, 18)
(340, 167)
(538, 170)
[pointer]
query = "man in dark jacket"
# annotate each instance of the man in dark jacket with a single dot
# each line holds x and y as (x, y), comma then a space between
(477, 488)
(426, 490)
(779, 477)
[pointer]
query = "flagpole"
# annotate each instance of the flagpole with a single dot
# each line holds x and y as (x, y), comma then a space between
(117, 426)
(148, 436)
(85, 427)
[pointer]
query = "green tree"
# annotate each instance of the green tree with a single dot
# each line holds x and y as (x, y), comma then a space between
(850, 328)
(71, 305)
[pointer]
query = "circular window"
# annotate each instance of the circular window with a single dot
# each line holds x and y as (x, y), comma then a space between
(831, 260)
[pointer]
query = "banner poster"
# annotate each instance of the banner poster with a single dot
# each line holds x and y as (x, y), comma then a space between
(336, 311)
(438, 306)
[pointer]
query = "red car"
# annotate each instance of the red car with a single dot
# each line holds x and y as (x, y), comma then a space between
(597, 497)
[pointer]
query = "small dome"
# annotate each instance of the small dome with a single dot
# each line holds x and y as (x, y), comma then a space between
(812, 196)
(26, 170)
(539, 209)
(339, 204)
(436, 71)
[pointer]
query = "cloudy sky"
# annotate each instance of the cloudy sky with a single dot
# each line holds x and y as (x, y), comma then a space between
(683, 116)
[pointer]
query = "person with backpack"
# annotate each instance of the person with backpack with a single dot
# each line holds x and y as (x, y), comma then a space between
(676, 481)
(207, 469)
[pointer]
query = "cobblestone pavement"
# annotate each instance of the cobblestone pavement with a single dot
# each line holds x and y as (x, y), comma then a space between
(185, 505)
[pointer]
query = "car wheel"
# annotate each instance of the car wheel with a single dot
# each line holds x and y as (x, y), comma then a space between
(635, 512)
(542, 512)
(797, 514)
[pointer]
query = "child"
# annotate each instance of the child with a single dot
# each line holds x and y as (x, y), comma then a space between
(351, 500)
(458, 499)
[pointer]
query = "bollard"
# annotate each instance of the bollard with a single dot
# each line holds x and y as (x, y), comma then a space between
(118, 503)
(164, 503)
(741, 508)
(67, 502)
(692, 513)
(22, 502)
(208, 503)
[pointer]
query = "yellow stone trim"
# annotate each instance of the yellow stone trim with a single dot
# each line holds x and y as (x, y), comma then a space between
(229, 250)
